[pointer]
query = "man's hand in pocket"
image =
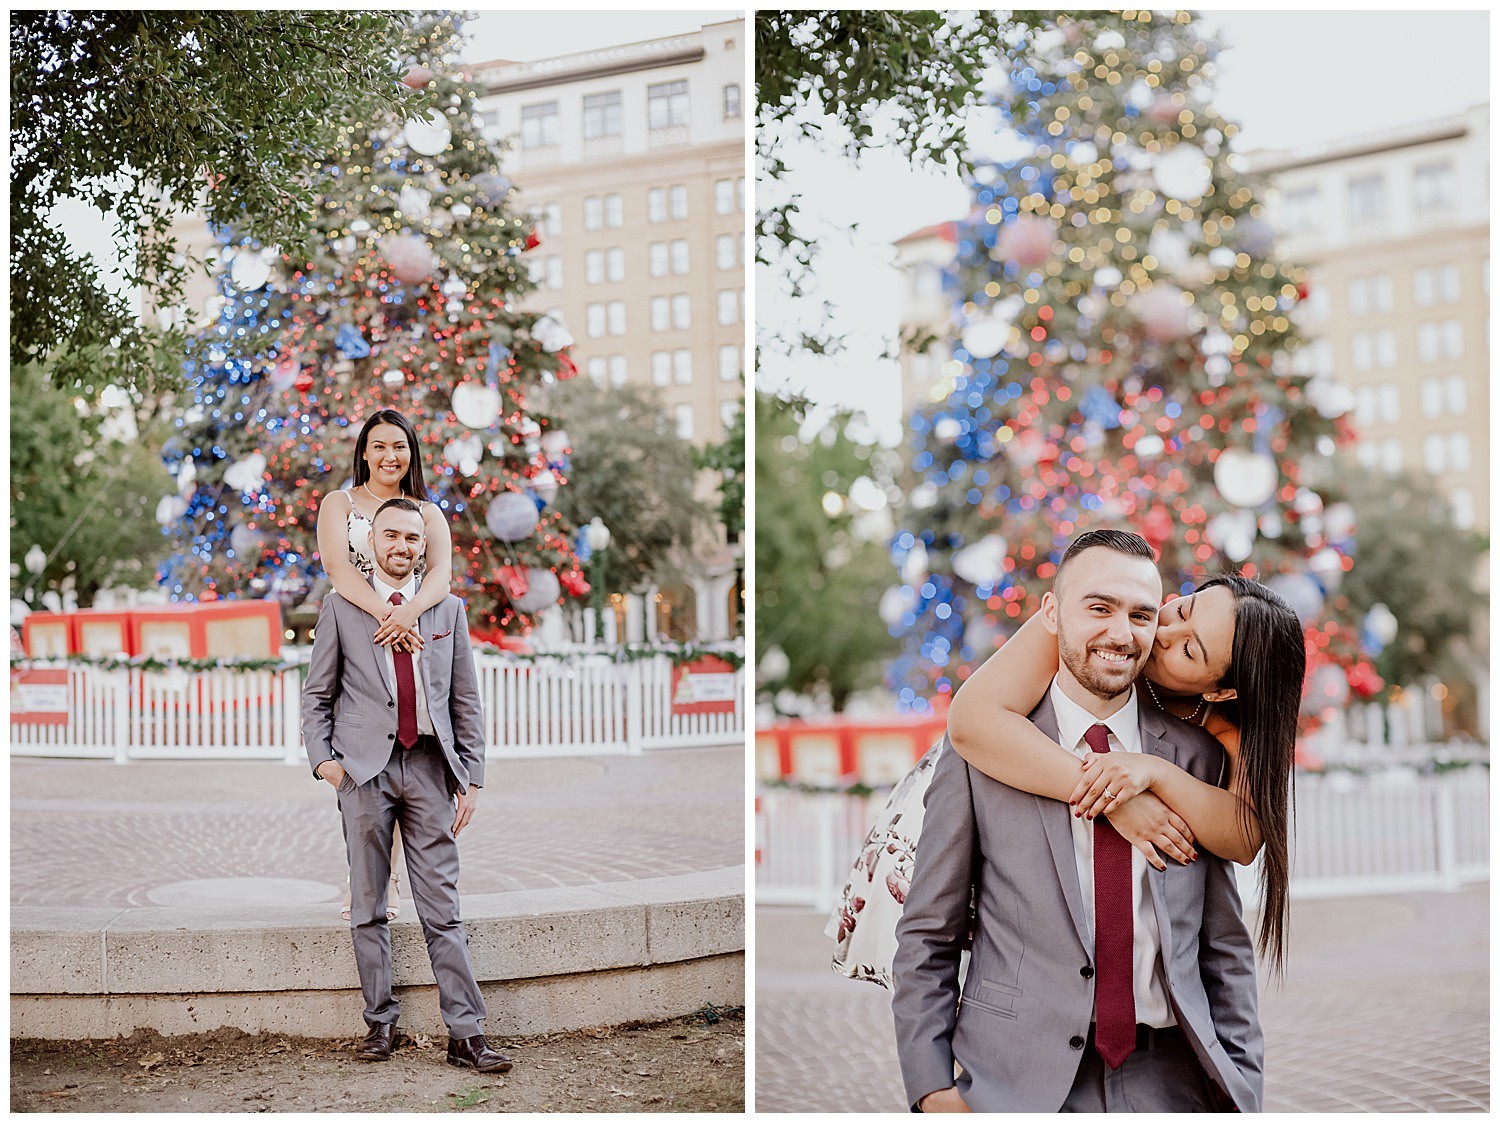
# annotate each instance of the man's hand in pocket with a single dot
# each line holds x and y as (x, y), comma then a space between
(333, 772)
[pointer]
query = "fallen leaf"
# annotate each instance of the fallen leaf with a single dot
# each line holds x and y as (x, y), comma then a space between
(150, 1061)
(59, 1094)
(617, 1092)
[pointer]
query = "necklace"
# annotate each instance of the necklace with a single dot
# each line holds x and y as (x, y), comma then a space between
(377, 498)
(1192, 717)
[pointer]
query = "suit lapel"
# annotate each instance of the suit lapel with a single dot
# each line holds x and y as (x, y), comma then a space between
(1153, 741)
(1056, 822)
(370, 624)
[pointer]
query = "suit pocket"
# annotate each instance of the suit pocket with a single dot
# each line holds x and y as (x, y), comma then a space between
(347, 784)
(992, 997)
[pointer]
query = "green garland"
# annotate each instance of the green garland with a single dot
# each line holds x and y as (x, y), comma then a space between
(153, 663)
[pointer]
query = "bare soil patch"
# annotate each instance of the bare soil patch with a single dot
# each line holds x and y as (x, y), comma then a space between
(696, 1063)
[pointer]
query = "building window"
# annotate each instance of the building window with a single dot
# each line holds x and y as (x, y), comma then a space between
(1364, 406)
(614, 211)
(729, 363)
(1359, 296)
(728, 307)
(1453, 339)
(616, 317)
(724, 252)
(677, 201)
(684, 418)
(658, 256)
(593, 213)
(602, 115)
(728, 411)
(548, 219)
(541, 125)
(661, 313)
(1390, 402)
(596, 370)
(682, 313)
(1385, 348)
(593, 267)
(661, 368)
(667, 104)
(1461, 500)
(489, 121)
(682, 366)
(1434, 453)
(1435, 186)
(656, 205)
(1447, 284)
(554, 272)
(614, 264)
(739, 194)
(1456, 391)
(1366, 198)
(1429, 341)
(1458, 451)
(1424, 288)
(1390, 455)
(723, 196)
(594, 318)
(617, 370)
(679, 256)
(1361, 350)
(731, 101)
(1302, 210)
(1432, 397)
(1368, 455)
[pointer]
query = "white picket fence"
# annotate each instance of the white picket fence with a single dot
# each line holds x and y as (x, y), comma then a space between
(586, 704)
(1391, 831)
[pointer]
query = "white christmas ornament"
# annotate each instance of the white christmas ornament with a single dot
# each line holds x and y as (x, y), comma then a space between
(923, 497)
(986, 334)
(550, 333)
(982, 562)
(248, 475)
(1148, 446)
(1028, 240)
(511, 516)
(410, 257)
(556, 443)
(544, 483)
(1300, 592)
(170, 509)
(243, 539)
(476, 405)
(896, 602)
(187, 476)
(1162, 313)
(1107, 277)
(1331, 399)
(914, 568)
(1246, 479)
(543, 592)
(428, 136)
(249, 270)
(460, 449)
(1184, 173)
(414, 203)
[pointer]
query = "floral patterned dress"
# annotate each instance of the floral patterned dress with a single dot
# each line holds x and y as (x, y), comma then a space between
(863, 923)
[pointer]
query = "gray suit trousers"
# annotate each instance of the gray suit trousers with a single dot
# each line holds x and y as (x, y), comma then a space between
(416, 789)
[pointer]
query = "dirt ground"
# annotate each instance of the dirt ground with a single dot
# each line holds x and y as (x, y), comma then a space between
(695, 1063)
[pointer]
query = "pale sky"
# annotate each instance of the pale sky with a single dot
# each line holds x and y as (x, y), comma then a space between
(1288, 78)
(523, 36)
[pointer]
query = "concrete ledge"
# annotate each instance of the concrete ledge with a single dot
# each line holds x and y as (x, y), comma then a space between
(548, 960)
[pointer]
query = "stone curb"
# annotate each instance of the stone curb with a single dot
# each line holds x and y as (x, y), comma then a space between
(554, 958)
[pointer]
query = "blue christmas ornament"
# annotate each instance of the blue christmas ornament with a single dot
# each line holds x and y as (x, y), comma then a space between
(351, 342)
(581, 545)
(1100, 408)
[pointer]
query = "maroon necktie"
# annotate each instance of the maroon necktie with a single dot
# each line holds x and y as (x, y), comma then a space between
(406, 693)
(1114, 934)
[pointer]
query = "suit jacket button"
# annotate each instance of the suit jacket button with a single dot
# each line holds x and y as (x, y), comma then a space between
(392, 705)
(1076, 1042)
(390, 736)
(1086, 972)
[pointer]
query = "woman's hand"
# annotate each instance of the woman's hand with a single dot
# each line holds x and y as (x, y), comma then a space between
(398, 627)
(1111, 779)
(1149, 825)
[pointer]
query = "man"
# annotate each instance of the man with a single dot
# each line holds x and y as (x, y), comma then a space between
(1096, 982)
(400, 738)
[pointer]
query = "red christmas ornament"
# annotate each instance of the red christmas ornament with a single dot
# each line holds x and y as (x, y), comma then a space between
(1156, 527)
(533, 240)
(303, 382)
(566, 368)
(574, 582)
(1364, 681)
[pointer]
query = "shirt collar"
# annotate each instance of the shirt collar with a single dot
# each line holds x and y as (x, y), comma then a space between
(1073, 721)
(407, 590)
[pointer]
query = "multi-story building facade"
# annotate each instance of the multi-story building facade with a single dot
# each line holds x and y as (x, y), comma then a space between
(633, 160)
(1394, 230)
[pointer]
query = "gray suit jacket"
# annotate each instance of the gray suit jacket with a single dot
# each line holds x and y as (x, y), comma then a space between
(349, 698)
(1027, 1001)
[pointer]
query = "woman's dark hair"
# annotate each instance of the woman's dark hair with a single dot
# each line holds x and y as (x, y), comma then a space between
(1266, 669)
(411, 483)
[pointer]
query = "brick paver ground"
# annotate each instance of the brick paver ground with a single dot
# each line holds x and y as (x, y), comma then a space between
(92, 833)
(1385, 1007)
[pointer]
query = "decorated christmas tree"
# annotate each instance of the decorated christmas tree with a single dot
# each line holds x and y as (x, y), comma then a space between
(1123, 355)
(408, 302)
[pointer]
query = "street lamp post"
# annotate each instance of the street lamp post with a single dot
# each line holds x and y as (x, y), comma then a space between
(598, 537)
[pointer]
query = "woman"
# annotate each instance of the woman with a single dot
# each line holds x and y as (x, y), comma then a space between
(386, 466)
(1230, 657)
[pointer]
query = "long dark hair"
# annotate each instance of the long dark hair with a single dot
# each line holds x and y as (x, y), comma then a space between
(411, 483)
(1266, 669)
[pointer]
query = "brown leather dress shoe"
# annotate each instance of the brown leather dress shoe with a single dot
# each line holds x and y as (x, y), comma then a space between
(377, 1043)
(475, 1052)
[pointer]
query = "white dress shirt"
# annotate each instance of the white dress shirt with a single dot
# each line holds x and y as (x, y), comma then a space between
(407, 591)
(1073, 721)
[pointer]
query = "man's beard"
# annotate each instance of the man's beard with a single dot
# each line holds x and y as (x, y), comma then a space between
(1097, 680)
